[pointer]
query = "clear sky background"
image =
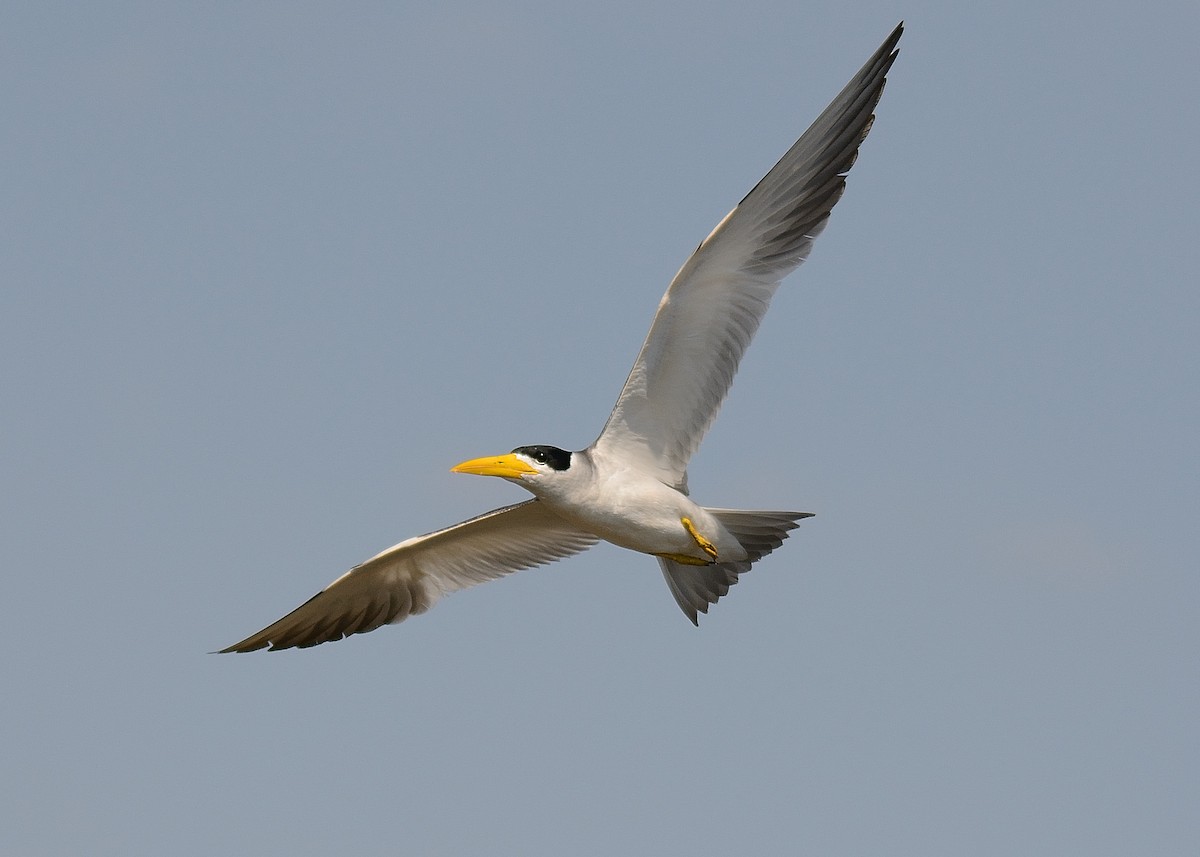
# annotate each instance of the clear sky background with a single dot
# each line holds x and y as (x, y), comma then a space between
(270, 269)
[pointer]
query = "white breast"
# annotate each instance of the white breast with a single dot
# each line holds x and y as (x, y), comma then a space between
(636, 511)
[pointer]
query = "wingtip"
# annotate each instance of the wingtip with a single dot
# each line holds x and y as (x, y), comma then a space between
(247, 645)
(890, 44)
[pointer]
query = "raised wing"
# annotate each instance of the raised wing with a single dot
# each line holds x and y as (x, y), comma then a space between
(714, 305)
(407, 579)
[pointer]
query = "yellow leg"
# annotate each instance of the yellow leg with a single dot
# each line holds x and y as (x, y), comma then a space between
(705, 544)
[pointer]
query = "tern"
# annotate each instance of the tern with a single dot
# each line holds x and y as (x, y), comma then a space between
(630, 486)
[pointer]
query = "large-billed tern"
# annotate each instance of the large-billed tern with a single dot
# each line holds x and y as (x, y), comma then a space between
(630, 486)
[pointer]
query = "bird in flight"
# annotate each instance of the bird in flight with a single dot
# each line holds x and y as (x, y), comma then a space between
(630, 486)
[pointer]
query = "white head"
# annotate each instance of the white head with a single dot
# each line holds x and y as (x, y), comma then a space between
(535, 468)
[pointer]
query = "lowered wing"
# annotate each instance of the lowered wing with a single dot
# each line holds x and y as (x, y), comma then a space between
(407, 579)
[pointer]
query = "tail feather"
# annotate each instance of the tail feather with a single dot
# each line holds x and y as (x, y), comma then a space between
(696, 587)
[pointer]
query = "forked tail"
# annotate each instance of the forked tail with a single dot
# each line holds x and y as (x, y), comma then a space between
(696, 587)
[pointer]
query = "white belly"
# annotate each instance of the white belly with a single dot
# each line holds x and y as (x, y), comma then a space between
(644, 515)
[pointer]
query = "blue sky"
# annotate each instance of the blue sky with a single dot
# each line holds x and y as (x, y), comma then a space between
(271, 269)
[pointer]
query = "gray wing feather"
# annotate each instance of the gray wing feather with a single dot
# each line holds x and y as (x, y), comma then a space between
(714, 304)
(407, 579)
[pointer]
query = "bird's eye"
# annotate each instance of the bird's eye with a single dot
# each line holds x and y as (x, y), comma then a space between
(550, 456)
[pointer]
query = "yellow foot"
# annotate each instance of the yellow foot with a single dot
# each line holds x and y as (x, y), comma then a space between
(705, 544)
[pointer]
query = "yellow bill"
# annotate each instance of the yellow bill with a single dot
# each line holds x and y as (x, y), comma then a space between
(508, 466)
